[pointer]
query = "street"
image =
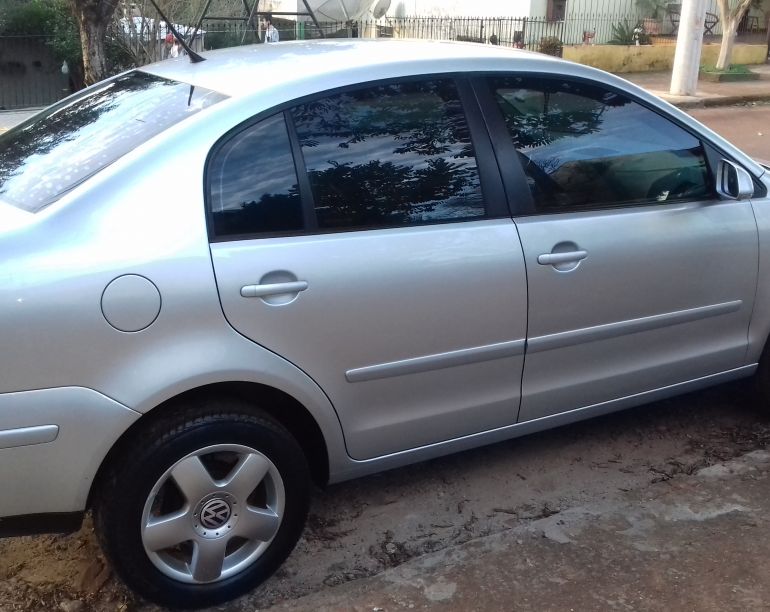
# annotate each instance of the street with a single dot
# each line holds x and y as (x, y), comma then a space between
(748, 126)
(659, 507)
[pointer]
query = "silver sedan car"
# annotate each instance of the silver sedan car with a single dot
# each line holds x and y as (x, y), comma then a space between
(225, 281)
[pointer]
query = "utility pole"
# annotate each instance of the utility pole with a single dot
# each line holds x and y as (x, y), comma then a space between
(689, 40)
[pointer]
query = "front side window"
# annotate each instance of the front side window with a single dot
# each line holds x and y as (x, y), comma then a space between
(54, 151)
(390, 155)
(584, 147)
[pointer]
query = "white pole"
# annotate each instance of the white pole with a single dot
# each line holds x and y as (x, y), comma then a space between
(684, 78)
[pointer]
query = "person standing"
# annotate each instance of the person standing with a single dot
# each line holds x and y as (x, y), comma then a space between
(271, 34)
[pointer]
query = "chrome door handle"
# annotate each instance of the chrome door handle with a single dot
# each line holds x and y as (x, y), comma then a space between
(250, 291)
(552, 259)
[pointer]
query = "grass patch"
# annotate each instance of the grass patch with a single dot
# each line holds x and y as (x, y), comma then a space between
(734, 69)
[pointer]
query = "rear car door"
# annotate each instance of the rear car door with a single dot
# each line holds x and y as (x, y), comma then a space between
(639, 276)
(363, 235)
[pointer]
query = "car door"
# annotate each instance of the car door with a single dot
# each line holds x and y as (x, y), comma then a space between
(640, 278)
(386, 266)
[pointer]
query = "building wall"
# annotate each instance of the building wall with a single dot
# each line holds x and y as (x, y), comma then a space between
(460, 8)
(528, 8)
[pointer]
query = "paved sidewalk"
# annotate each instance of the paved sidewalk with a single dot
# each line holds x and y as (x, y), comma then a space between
(10, 118)
(708, 94)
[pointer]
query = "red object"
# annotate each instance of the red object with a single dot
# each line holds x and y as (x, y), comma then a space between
(169, 39)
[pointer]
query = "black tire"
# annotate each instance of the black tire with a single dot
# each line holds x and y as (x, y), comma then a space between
(143, 462)
(760, 388)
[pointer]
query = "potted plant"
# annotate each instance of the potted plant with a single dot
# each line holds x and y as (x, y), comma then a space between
(652, 12)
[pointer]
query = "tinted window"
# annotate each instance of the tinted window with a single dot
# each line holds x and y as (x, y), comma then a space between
(585, 147)
(54, 151)
(254, 184)
(390, 155)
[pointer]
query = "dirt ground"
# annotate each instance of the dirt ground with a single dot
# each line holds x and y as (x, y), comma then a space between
(365, 527)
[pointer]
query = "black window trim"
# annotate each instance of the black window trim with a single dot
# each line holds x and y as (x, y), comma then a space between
(309, 216)
(520, 199)
(492, 192)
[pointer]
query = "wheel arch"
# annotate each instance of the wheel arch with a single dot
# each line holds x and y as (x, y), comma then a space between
(281, 406)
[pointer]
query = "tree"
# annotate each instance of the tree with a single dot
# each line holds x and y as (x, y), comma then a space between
(730, 17)
(93, 18)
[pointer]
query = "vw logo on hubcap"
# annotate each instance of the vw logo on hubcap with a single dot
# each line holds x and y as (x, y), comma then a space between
(215, 513)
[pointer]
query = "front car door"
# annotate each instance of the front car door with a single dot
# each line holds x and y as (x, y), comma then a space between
(640, 278)
(364, 236)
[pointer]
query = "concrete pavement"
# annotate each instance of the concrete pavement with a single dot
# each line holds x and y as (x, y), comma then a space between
(708, 94)
(10, 118)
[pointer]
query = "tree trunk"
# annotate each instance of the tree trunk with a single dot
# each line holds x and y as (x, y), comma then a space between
(94, 59)
(93, 17)
(730, 20)
(728, 42)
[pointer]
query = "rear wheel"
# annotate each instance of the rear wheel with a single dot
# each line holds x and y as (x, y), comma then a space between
(761, 383)
(204, 505)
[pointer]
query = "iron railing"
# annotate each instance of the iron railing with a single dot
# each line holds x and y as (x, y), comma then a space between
(31, 76)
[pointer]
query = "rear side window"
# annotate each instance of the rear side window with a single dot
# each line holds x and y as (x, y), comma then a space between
(56, 150)
(382, 156)
(253, 182)
(390, 155)
(584, 147)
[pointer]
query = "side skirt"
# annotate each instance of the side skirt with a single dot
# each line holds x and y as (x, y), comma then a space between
(354, 469)
(32, 524)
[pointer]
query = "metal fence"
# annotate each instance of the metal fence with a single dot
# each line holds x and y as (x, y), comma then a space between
(533, 33)
(30, 76)
(29, 73)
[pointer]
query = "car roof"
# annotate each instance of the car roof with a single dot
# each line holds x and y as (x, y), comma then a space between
(245, 70)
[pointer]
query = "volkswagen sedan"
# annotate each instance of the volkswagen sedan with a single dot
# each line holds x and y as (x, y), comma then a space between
(222, 282)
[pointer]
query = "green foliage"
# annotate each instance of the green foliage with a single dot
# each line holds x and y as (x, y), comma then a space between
(222, 39)
(49, 18)
(551, 45)
(734, 69)
(623, 34)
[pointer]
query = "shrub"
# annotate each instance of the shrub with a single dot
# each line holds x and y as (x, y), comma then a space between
(623, 33)
(551, 45)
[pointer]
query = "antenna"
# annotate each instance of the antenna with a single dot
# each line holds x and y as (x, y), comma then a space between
(194, 57)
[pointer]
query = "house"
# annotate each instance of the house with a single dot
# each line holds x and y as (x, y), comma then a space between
(571, 21)
(575, 16)
(555, 10)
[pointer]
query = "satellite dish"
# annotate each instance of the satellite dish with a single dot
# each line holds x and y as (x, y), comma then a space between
(380, 8)
(339, 10)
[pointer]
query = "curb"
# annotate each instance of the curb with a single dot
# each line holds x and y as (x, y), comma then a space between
(720, 101)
